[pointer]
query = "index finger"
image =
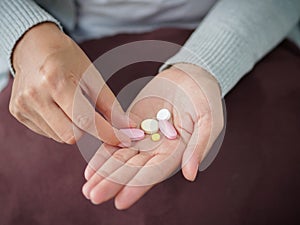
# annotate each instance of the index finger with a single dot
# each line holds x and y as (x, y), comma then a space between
(103, 98)
(78, 108)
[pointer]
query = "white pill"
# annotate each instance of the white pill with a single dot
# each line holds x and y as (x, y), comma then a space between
(163, 114)
(150, 126)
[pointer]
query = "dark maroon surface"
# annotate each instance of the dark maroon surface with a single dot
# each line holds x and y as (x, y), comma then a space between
(254, 179)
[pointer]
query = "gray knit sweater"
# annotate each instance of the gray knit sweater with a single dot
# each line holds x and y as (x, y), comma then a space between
(234, 36)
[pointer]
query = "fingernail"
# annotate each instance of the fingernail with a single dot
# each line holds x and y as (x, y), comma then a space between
(194, 172)
(124, 139)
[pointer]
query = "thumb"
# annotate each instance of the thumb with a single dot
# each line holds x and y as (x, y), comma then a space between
(104, 99)
(111, 109)
(196, 148)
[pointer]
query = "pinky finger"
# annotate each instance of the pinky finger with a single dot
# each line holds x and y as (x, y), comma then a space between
(29, 124)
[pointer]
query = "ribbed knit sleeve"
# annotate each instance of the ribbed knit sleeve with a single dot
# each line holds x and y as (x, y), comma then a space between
(235, 35)
(16, 17)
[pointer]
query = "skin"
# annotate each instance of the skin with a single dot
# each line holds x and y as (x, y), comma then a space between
(49, 93)
(126, 174)
(53, 95)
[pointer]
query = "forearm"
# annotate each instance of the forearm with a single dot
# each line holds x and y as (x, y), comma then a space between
(235, 35)
(17, 17)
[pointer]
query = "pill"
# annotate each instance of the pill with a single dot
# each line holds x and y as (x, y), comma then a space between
(163, 114)
(150, 126)
(167, 129)
(155, 137)
(134, 134)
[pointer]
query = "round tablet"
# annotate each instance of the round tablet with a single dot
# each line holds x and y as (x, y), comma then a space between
(163, 114)
(150, 126)
(155, 137)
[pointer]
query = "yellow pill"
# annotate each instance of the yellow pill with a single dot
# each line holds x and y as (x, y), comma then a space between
(155, 137)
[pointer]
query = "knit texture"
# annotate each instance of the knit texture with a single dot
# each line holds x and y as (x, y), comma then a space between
(235, 35)
(18, 16)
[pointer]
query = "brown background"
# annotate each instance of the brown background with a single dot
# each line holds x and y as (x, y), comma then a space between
(254, 179)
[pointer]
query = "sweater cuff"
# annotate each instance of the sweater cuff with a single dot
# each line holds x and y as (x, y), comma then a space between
(221, 52)
(17, 17)
(235, 35)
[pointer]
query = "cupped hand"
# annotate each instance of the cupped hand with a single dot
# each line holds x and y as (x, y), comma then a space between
(193, 97)
(55, 87)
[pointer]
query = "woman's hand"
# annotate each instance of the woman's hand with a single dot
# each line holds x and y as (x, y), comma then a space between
(49, 92)
(193, 97)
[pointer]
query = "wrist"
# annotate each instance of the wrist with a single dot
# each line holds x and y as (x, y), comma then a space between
(201, 76)
(44, 36)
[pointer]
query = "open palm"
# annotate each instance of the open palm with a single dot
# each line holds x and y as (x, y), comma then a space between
(128, 173)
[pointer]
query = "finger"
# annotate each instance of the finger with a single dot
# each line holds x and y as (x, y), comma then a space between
(109, 187)
(84, 116)
(60, 123)
(157, 169)
(118, 158)
(196, 147)
(37, 123)
(27, 114)
(34, 128)
(132, 193)
(104, 99)
(129, 195)
(145, 145)
(102, 155)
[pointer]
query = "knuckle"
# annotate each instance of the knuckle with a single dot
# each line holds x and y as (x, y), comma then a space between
(15, 111)
(11, 108)
(19, 116)
(73, 79)
(67, 137)
(19, 102)
(48, 73)
(71, 140)
(61, 131)
(119, 157)
(132, 164)
(103, 172)
(83, 121)
(59, 90)
(30, 94)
